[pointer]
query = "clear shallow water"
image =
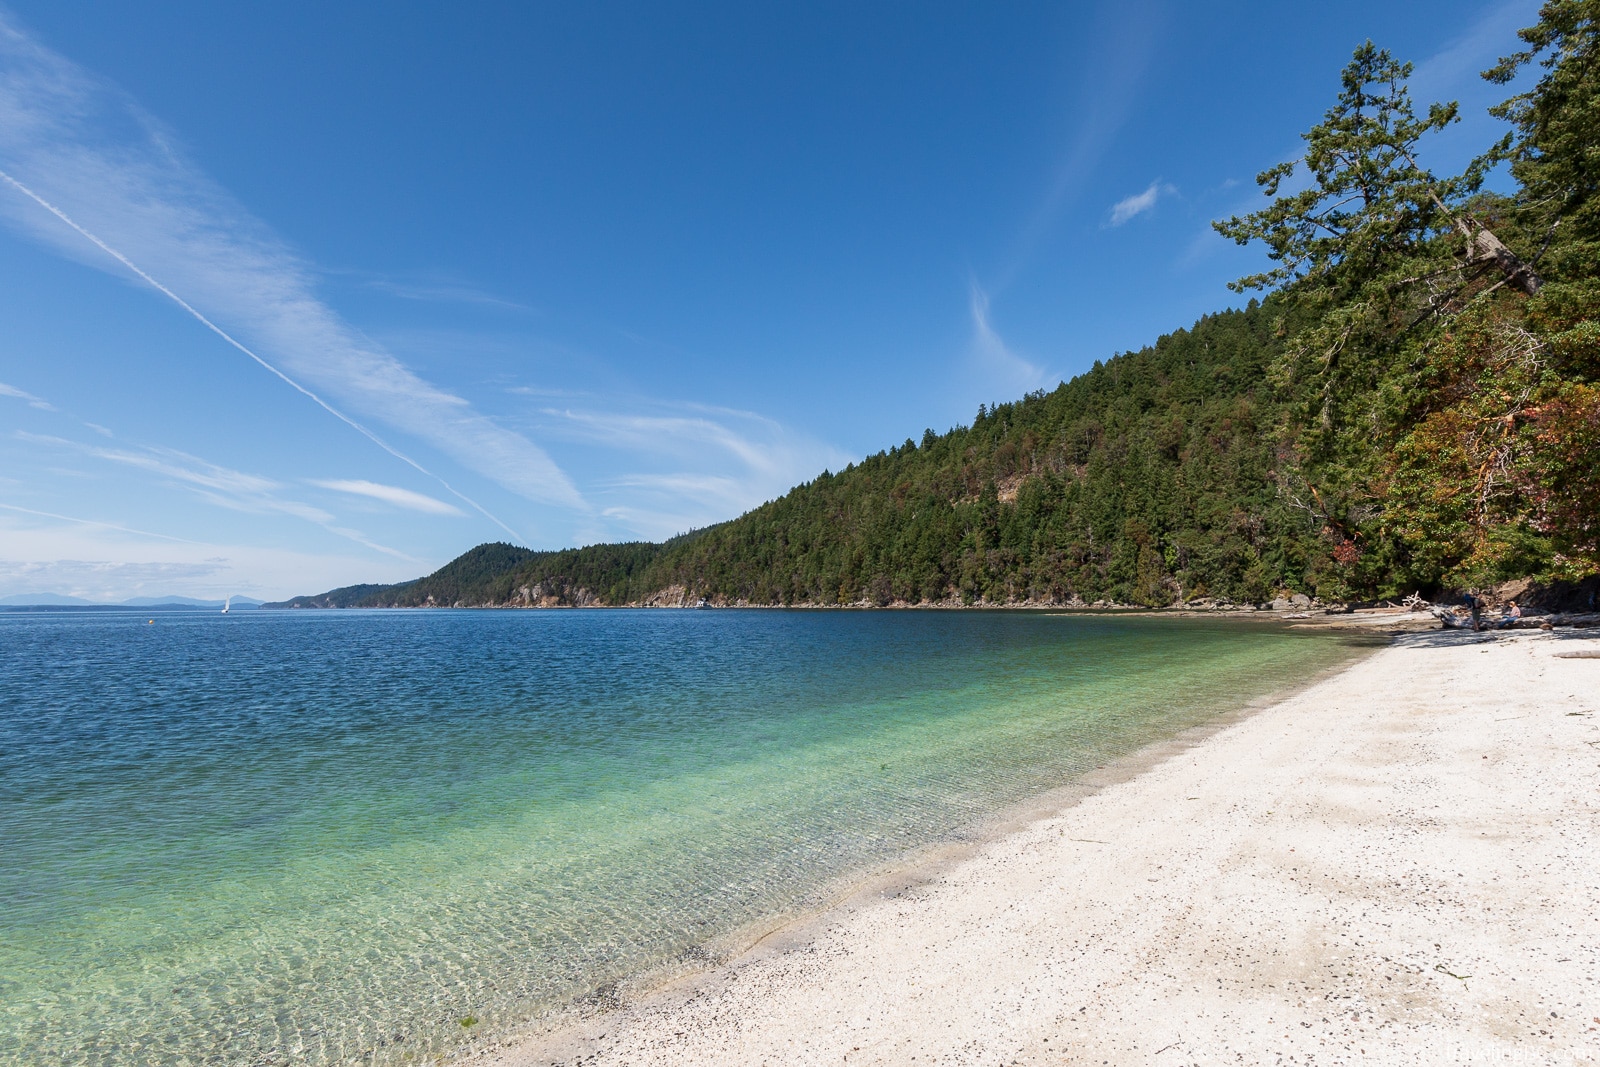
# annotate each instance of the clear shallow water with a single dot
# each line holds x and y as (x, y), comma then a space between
(330, 837)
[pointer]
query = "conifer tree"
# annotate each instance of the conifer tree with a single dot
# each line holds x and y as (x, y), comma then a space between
(1371, 206)
(1554, 148)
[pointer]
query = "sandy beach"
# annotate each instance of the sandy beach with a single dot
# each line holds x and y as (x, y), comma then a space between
(1399, 864)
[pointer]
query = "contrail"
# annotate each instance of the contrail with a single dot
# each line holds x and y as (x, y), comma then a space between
(220, 332)
(107, 525)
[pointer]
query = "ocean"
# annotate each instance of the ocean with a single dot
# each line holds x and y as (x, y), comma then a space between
(375, 837)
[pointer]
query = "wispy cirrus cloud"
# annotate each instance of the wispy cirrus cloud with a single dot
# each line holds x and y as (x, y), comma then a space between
(680, 433)
(1097, 105)
(97, 523)
(998, 366)
(1133, 206)
(31, 400)
(191, 471)
(216, 484)
(95, 580)
(48, 552)
(670, 467)
(389, 494)
(442, 291)
(1477, 46)
(106, 185)
(663, 505)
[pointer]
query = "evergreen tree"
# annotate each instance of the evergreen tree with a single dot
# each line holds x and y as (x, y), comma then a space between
(1554, 148)
(1371, 208)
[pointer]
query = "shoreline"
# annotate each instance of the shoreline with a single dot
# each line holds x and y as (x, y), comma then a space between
(1407, 619)
(576, 1024)
(790, 989)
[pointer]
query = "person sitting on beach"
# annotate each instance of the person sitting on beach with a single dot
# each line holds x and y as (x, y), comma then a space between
(1510, 614)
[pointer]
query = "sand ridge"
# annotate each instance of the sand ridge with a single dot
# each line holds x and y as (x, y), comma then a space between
(1400, 864)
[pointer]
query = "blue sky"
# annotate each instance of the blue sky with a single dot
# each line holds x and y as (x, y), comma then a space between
(297, 295)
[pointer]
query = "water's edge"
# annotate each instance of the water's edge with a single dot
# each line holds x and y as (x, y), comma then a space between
(570, 1031)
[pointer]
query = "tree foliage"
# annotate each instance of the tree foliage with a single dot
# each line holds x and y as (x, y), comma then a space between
(1438, 389)
(1553, 148)
(1370, 207)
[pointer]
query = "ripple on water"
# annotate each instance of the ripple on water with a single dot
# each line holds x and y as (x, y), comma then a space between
(322, 837)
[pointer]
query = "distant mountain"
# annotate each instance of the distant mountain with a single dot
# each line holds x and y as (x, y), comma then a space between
(188, 602)
(56, 600)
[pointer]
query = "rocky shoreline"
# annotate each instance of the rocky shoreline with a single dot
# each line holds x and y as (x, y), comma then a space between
(1556, 604)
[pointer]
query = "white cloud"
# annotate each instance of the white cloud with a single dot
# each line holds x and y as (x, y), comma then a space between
(682, 466)
(1476, 48)
(130, 203)
(676, 502)
(100, 581)
(191, 470)
(33, 401)
(1000, 368)
(97, 523)
(45, 553)
(1095, 107)
(1139, 203)
(658, 433)
(96, 157)
(389, 494)
(218, 485)
(436, 291)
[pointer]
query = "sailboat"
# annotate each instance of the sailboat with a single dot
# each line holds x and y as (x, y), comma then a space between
(226, 604)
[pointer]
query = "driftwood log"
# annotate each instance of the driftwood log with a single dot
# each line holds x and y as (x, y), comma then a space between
(1453, 620)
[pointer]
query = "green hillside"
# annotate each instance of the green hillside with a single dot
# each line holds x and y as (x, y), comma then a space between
(1149, 478)
(1414, 405)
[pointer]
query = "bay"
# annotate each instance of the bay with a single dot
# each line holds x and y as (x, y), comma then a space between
(377, 837)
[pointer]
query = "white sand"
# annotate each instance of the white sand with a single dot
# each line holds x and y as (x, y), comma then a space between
(1301, 887)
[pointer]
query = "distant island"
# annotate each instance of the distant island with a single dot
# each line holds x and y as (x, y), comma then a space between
(1414, 406)
(31, 601)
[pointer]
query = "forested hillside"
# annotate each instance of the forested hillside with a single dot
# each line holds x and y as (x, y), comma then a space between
(1150, 478)
(1414, 405)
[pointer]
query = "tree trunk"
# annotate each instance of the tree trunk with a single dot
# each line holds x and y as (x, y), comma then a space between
(1484, 247)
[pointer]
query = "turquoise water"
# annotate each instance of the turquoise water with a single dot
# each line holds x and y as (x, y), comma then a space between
(333, 837)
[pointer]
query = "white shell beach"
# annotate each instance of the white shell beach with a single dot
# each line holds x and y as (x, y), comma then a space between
(1399, 864)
